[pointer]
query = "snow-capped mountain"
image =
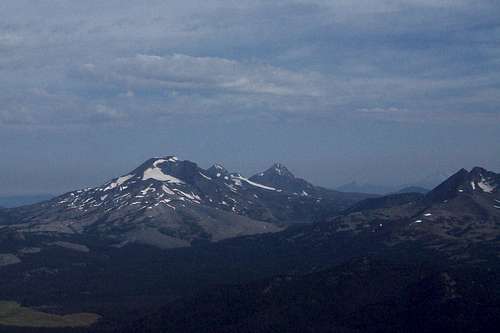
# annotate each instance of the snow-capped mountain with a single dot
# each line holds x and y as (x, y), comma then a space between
(278, 176)
(170, 203)
(464, 211)
(477, 181)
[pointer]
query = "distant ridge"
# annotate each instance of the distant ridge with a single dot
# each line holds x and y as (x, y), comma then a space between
(22, 200)
(413, 189)
(355, 187)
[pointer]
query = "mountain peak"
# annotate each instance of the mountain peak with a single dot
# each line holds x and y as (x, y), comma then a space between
(450, 187)
(478, 171)
(279, 169)
(170, 158)
(165, 169)
(483, 180)
(217, 171)
(463, 181)
(156, 161)
(278, 176)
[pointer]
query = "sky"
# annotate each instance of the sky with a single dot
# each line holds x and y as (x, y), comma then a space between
(384, 92)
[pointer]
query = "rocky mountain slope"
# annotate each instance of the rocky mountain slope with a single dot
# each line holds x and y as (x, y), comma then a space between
(170, 203)
(461, 213)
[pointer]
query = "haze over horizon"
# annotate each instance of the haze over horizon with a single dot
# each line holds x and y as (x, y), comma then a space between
(384, 92)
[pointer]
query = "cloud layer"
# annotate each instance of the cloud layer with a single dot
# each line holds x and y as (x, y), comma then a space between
(66, 62)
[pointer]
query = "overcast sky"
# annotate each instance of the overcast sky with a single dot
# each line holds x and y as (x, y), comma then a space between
(385, 91)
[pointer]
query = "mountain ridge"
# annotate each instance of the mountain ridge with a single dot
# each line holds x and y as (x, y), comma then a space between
(174, 202)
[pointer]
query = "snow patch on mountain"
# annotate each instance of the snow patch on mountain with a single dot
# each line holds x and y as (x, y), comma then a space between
(485, 186)
(205, 176)
(156, 173)
(254, 184)
(120, 181)
(191, 196)
(167, 190)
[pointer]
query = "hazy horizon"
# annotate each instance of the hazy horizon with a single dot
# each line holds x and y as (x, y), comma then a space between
(423, 180)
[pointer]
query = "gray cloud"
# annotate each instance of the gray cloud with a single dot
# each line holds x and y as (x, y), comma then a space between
(89, 62)
(16, 117)
(183, 72)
